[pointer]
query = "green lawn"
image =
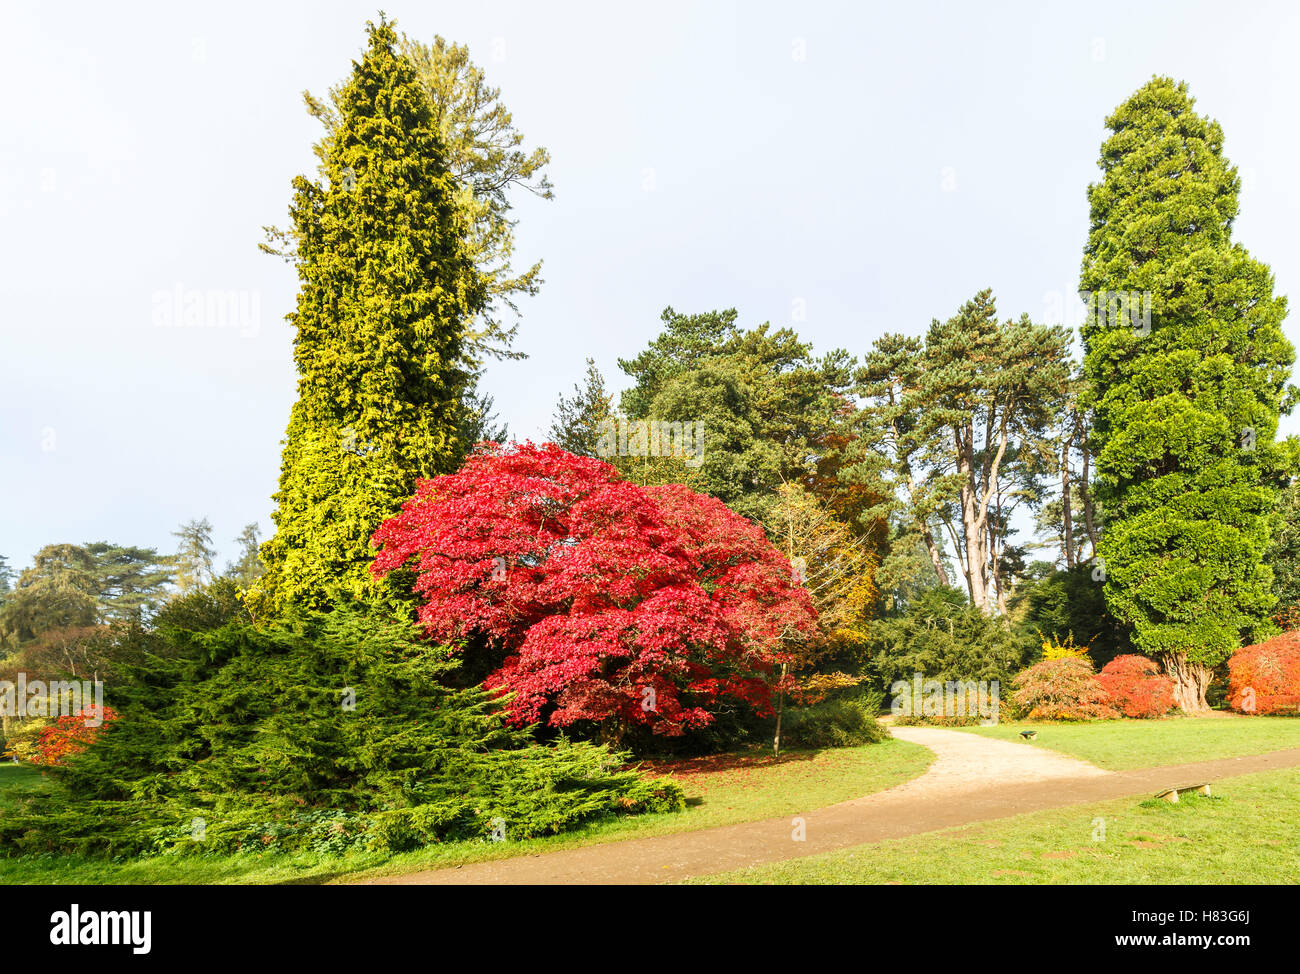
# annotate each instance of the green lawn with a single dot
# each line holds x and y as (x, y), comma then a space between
(1245, 833)
(720, 791)
(1118, 745)
(17, 780)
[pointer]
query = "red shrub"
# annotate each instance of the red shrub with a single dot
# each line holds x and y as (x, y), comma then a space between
(1061, 689)
(69, 734)
(1265, 678)
(613, 602)
(1135, 686)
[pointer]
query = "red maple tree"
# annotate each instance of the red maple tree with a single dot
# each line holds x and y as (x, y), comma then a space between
(616, 603)
(1265, 678)
(1136, 687)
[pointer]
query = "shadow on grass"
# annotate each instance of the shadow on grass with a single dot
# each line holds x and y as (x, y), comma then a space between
(713, 763)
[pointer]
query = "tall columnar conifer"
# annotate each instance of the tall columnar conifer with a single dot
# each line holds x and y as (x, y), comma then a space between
(387, 288)
(1186, 406)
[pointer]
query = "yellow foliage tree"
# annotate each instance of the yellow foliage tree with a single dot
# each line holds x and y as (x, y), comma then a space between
(838, 570)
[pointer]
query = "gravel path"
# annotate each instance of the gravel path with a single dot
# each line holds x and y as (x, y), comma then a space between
(965, 761)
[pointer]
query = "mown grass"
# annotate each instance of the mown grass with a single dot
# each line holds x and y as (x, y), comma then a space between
(720, 791)
(17, 780)
(1119, 745)
(1244, 833)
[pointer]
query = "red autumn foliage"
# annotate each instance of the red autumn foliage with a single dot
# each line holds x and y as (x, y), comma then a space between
(1265, 678)
(615, 603)
(70, 734)
(1135, 686)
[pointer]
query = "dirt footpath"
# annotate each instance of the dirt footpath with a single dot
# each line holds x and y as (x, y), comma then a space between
(964, 762)
(973, 779)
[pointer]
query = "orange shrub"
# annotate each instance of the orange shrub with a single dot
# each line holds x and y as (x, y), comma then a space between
(1135, 686)
(1061, 689)
(70, 734)
(1265, 678)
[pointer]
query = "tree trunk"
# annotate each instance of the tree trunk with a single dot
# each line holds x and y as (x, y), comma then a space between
(1067, 519)
(935, 558)
(976, 566)
(975, 496)
(1191, 680)
(996, 545)
(780, 694)
(611, 733)
(780, 708)
(976, 554)
(959, 551)
(927, 535)
(1086, 496)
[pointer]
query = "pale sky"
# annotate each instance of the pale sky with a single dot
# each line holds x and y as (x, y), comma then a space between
(875, 165)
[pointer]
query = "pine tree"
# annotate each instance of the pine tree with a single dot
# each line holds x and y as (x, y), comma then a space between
(1188, 370)
(485, 154)
(78, 587)
(971, 414)
(387, 290)
(888, 453)
(59, 590)
(763, 407)
(248, 568)
(131, 581)
(479, 422)
(578, 418)
(195, 556)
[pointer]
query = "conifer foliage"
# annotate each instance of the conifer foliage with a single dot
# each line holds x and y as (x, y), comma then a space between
(322, 731)
(1187, 383)
(387, 289)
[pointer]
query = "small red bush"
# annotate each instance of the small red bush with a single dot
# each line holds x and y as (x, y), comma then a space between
(1135, 686)
(69, 735)
(1265, 678)
(1062, 689)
